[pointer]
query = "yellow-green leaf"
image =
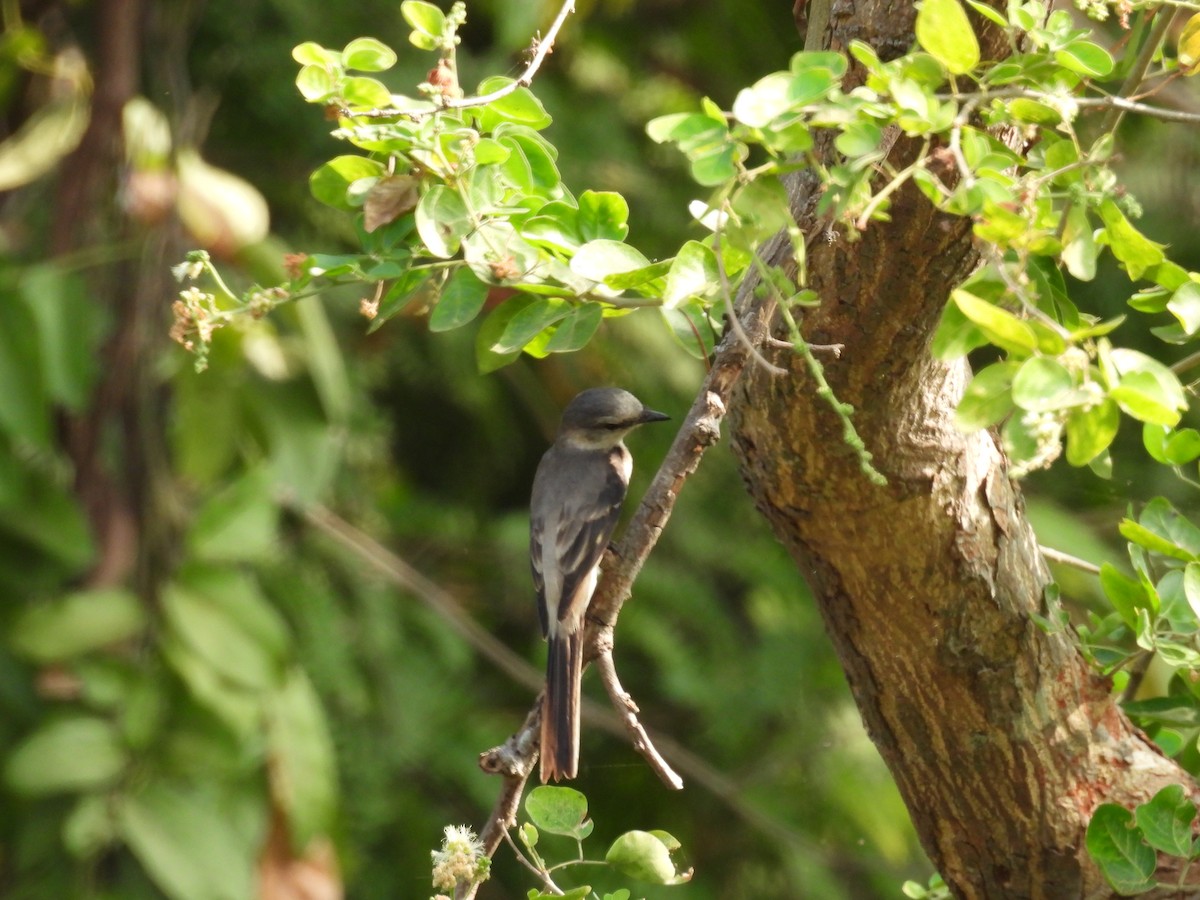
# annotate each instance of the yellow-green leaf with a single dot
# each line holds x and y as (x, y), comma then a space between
(945, 32)
(1189, 46)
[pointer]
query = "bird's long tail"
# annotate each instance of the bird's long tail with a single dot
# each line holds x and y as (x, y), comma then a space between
(560, 712)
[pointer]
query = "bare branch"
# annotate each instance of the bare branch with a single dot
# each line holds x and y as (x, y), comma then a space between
(541, 47)
(627, 709)
(1066, 559)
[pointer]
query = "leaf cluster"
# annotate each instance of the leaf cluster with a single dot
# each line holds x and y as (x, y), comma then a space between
(645, 856)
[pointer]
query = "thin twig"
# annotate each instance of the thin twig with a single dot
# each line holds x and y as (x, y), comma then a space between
(731, 314)
(834, 350)
(627, 709)
(1186, 364)
(1066, 559)
(541, 48)
(440, 601)
(1137, 73)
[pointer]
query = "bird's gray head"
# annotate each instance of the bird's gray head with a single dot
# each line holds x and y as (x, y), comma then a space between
(603, 416)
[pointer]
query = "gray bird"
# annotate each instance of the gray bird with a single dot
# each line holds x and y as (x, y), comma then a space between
(577, 495)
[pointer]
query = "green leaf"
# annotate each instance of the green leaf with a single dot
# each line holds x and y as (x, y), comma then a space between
(442, 221)
(1091, 430)
(1033, 112)
(717, 165)
(24, 406)
(368, 55)
(1044, 385)
(988, 398)
(331, 182)
(311, 53)
(990, 13)
(834, 62)
(1120, 850)
(602, 215)
(188, 845)
(601, 258)
(1134, 250)
(758, 105)
(642, 855)
(66, 755)
(496, 323)
(461, 301)
(221, 617)
(1088, 59)
(1000, 326)
(519, 106)
(576, 329)
(1079, 245)
(1189, 46)
(1126, 594)
(693, 273)
(1184, 305)
(558, 810)
(944, 31)
(1183, 447)
(692, 328)
(365, 93)
(1139, 534)
(1178, 710)
(1191, 587)
(239, 524)
(1164, 520)
(68, 328)
(530, 322)
(76, 624)
(1141, 395)
(428, 23)
(859, 138)
(956, 335)
(686, 128)
(302, 771)
(316, 83)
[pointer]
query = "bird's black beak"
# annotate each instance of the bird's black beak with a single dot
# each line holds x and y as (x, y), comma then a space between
(650, 415)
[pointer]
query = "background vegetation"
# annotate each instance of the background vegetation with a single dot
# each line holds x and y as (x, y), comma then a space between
(154, 737)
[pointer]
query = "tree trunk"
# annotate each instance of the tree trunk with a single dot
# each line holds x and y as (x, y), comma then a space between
(1001, 740)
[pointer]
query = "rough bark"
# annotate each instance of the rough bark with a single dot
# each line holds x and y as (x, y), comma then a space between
(1001, 740)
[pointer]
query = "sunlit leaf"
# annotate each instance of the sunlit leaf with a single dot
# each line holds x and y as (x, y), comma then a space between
(945, 32)
(368, 55)
(999, 325)
(693, 273)
(1189, 46)
(1137, 252)
(1043, 384)
(988, 398)
(442, 221)
(1184, 305)
(643, 856)
(1090, 431)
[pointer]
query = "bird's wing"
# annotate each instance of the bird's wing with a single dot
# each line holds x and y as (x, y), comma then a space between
(572, 520)
(536, 528)
(582, 536)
